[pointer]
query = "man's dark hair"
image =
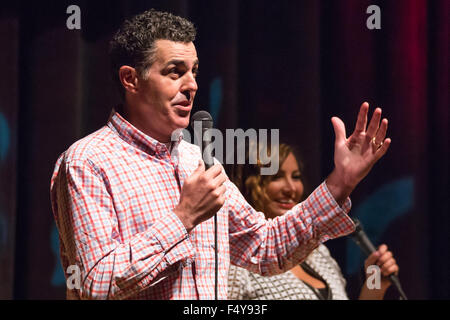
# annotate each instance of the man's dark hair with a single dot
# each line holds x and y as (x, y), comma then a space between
(134, 43)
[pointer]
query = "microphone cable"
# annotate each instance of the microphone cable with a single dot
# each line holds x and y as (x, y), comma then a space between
(207, 123)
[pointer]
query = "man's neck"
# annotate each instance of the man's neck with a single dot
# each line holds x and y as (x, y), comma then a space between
(136, 122)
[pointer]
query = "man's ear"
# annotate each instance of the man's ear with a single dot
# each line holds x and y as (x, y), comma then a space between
(129, 78)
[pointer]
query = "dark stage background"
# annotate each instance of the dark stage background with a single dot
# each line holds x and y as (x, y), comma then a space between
(290, 65)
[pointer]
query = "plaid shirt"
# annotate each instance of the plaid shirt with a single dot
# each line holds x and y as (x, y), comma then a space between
(113, 194)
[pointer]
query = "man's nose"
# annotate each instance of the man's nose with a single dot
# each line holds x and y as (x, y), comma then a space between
(189, 83)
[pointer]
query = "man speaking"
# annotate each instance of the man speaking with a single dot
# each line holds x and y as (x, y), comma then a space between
(133, 208)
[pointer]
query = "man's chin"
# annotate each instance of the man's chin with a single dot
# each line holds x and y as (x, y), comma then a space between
(183, 123)
(180, 125)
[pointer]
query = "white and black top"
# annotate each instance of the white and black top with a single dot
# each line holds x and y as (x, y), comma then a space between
(246, 285)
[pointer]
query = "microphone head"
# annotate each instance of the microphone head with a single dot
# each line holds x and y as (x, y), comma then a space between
(358, 229)
(361, 239)
(204, 117)
(358, 226)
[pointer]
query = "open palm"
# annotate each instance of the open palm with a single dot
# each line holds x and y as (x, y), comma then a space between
(355, 156)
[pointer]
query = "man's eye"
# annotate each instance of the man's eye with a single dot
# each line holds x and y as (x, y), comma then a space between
(174, 73)
(195, 72)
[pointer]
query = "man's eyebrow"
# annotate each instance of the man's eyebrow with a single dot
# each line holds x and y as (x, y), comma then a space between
(178, 62)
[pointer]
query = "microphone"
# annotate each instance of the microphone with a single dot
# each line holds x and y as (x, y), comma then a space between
(361, 239)
(201, 122)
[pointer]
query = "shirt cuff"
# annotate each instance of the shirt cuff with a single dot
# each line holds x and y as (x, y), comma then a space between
(174, 239)
(331, 220)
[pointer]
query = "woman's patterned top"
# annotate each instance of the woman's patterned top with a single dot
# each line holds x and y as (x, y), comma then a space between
(246, 285)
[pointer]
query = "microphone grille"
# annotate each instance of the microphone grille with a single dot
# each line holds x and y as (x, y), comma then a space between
(203, 116)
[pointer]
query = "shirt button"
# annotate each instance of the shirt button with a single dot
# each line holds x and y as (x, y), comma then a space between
(187, 262)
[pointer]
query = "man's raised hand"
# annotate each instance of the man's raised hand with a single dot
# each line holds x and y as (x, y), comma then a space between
(355, 156)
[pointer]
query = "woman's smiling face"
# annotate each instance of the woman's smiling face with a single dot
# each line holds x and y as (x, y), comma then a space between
(285, 189)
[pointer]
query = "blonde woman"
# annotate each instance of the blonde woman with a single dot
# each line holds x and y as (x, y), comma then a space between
(319, 276)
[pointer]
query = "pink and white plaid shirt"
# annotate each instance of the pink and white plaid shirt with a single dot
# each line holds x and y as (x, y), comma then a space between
(113, 194)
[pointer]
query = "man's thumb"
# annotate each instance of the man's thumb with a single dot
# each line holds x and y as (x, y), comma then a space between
(200, 168)
(339, 129)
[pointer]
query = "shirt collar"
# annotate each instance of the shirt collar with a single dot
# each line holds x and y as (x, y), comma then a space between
(130, 134)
